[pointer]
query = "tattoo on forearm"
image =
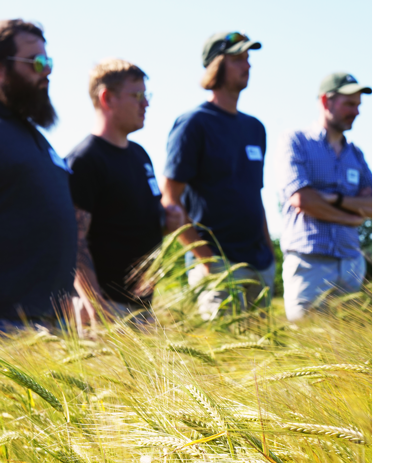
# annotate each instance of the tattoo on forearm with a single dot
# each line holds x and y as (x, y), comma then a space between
(84, 259)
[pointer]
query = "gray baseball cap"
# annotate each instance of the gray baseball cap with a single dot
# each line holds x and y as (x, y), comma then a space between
(341, 82)
(227, 43)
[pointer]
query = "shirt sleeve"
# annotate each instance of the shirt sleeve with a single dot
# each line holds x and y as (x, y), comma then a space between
(264, 149)
(84, 182)
(184, 147)
(366, 174)
(291, 166)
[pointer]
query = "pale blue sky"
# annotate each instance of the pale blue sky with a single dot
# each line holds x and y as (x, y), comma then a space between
(302, 42)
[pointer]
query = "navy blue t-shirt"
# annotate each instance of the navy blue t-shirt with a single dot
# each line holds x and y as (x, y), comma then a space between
(220, 156)
(118, 188)
(37, 221)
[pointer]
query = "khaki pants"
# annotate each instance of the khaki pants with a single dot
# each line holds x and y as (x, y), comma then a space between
(306, 276)
(210, 301)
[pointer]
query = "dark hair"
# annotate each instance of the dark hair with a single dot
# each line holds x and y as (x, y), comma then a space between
(215, 74)
(9, 28)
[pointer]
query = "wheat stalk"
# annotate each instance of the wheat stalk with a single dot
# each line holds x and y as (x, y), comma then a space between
(43, 336)
(143, 346)
(181, 349)
(87, 355)
(178, 445)
(8, 437)
(26, 381)
(240, 345)
(193, 422)
(206, 404)
(72, 381)
(307, 371)
(334, 431)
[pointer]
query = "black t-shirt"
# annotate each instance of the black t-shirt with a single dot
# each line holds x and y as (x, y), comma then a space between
(220, 156)
(37, 221)
(118, 188)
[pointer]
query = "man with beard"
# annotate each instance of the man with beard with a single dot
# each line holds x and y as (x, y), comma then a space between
(38, 227)
(216, 160)
(326, 192)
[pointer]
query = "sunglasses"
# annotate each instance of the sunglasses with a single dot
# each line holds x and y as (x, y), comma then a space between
(39, 62)
(231, 39)
(141, 96)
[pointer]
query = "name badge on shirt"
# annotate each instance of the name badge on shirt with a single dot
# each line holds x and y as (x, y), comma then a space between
(353, 176)
(154, 187)
(254, 153)
(149, 170)
(60, 162)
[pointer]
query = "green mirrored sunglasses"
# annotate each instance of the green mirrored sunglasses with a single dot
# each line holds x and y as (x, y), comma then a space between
(39, 62)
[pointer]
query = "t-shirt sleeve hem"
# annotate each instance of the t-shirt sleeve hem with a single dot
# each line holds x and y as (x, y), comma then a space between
(178, 177)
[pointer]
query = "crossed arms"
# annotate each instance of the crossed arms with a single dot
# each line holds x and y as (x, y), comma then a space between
(353, 210)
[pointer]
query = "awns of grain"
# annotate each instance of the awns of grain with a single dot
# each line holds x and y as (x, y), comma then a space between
(26, 381)
(192, 394)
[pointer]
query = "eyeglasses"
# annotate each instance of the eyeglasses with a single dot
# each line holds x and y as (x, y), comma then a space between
(141, 96)
(231, 39)
(40, 62)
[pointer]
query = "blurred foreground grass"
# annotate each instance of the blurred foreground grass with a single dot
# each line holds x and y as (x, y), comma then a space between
(250, 388)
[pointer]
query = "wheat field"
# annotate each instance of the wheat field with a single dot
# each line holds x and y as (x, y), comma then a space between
(244, 391)
(247, 387)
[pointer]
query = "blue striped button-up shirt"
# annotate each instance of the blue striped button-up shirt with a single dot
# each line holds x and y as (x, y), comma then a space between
(305, 159)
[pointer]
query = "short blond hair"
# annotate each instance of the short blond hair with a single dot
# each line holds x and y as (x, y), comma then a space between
(215, 74)
(111, 74)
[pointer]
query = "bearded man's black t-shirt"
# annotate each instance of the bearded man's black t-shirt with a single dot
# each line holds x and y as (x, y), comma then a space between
(37, 222)
(118, 188)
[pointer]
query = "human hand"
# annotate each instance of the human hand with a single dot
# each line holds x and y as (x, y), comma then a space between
(365, 192)
(207, 268)
(357, 221)
(86, 316)
(174, 217)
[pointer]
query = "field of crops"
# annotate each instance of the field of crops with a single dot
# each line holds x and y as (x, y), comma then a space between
(246, 387)
(249, 388)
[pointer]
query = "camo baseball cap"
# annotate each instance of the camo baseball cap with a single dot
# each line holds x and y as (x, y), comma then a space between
(341, 82)
(227, 43)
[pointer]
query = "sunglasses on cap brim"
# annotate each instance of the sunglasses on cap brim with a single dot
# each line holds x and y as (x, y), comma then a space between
(231, 39)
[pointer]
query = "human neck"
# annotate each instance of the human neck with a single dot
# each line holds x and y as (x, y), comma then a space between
(225, 99)
(105, 129)
(334, 136)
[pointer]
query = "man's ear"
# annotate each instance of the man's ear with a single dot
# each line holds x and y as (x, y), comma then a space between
(105, 98)
(324, 100)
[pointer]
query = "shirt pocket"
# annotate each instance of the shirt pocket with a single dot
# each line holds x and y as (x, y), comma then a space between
(350, 179)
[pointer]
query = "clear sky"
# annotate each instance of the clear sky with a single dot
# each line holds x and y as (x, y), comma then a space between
(302, 42)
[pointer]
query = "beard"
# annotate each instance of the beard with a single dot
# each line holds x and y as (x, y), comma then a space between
(28, 101)
(341, 125)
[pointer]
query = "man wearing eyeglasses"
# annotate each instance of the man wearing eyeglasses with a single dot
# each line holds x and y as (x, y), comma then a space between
(38, 227)
(115, 191)
(215, 164)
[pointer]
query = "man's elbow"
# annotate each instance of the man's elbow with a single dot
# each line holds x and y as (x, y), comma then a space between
(298, 200)
(171, 192)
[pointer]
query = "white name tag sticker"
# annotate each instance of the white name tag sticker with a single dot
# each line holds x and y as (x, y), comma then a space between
(254, 153)
(353, 176)
(149, 170)
(154, 187)
(60, 162)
